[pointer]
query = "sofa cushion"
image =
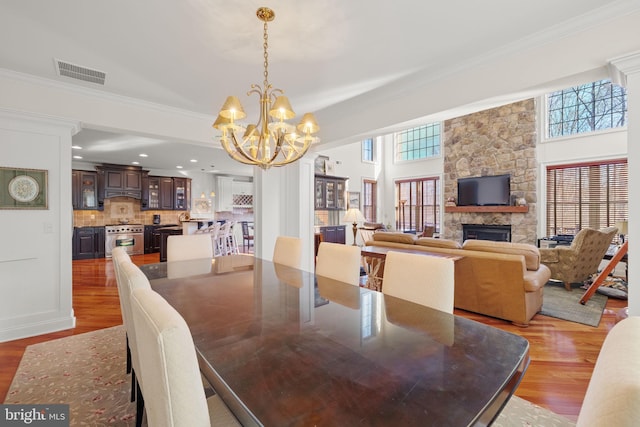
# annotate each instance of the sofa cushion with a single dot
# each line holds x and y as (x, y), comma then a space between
(438, 243)
(531, 253)
(388, 236)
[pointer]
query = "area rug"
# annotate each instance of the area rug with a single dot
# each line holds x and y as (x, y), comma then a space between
(85, 371)
(559, 303)
(522, 413)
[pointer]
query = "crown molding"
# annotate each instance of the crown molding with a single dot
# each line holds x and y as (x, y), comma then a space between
(101, 95)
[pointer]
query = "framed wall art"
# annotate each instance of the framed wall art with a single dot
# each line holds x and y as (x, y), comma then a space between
(23, 188)
(354, 200)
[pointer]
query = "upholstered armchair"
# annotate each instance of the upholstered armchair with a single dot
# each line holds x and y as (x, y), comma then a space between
(575, 263)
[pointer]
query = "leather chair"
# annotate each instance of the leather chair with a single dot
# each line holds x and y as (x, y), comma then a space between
(169, 374)
(575, 263)
(423, 279)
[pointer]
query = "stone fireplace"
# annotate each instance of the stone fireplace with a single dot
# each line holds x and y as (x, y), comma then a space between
(493, 142)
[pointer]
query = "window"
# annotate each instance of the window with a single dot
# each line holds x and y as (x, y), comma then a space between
(586, 108)
(418, 143)
(418, 204)
(586, 195)
(369, 200)
(368, 154)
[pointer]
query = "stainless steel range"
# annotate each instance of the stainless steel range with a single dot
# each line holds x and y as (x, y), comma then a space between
(128, 236)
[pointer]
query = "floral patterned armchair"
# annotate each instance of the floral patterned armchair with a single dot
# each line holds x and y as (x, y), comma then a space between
(575, 263)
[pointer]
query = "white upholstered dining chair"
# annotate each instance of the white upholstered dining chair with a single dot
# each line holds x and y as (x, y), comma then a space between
(132, 278)
(423, 279)
(339, 262)
(189, 246)
(288, 251)
(169, 373)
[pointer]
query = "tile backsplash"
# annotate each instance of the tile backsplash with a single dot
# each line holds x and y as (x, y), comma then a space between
(121, 208)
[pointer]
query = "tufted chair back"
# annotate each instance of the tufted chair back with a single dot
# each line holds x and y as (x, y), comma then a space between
(575, 263)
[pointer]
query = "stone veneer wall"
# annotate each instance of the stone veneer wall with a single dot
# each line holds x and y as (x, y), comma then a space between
(493, 142)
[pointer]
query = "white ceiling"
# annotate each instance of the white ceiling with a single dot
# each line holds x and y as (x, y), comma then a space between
(353, 63)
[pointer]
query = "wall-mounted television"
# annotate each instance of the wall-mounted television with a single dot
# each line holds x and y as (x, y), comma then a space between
(492, 190)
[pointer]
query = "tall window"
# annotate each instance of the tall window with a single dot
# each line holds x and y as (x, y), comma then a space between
(369, 200)
(418, 204)
(590, 195)
(368, 154)
(418, 143)
(586, 108)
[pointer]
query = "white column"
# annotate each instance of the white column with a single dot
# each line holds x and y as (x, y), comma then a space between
(626, 71)
(283, 205)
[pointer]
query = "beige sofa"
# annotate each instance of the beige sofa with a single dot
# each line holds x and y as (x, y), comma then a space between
(498, 279)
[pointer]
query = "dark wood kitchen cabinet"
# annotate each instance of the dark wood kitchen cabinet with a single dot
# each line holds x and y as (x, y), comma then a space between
(333, 234)
(118, 180)
(330, 193)
(166, 193)
(84, 190)
(88, 242)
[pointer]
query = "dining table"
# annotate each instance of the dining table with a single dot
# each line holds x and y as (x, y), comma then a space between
(285, 347)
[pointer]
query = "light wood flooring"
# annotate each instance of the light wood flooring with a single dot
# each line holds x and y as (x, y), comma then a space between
(563, 353)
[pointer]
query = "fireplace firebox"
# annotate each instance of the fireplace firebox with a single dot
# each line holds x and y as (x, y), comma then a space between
(496, 233)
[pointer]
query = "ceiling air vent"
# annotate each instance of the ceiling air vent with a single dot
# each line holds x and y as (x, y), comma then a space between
(79, 72)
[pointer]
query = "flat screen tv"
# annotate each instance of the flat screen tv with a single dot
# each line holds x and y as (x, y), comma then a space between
(485, 191)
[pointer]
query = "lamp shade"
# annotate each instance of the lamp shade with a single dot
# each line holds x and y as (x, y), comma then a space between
(353, 215)
(622, 227)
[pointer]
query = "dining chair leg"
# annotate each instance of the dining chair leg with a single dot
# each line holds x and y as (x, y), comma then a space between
(133, 385)
(128, 354)
(139, 406)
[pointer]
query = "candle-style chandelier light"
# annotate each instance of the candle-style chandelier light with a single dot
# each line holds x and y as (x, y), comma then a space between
(271, 141)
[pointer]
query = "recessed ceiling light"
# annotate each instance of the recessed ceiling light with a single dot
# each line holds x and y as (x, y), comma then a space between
(144, 155)
(77, 157)
(179, 167)
(76, 147)
(135, 163)
(193, 161)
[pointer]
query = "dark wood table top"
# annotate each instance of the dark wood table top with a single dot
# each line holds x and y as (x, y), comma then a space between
(283, 347)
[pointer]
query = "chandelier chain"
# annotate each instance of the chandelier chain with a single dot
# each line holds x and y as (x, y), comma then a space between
(265, 45)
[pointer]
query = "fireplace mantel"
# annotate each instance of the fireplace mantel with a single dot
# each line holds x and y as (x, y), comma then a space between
(486, 209)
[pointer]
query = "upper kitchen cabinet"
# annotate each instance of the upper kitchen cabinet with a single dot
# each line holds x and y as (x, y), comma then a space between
(330, 193)
(225, 193)
(117, 180)
(181, 193)
(84, 186)
(166, 193)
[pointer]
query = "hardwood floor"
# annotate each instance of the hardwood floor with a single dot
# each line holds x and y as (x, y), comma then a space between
(562, 353)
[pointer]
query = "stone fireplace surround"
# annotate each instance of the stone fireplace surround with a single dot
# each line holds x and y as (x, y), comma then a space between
(498, 141)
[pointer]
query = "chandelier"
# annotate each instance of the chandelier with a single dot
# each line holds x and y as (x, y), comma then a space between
(271, 141)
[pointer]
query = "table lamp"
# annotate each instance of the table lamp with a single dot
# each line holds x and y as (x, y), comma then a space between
(622, 227)
(354, 215)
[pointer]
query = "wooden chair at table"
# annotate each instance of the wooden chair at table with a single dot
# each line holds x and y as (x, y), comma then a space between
(247, 237)
(170, 374)
(189, 246)
(339, 262)
(423, 279)
(288, 251)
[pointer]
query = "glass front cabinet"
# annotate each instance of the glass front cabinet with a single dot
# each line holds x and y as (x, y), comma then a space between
(330, 193)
